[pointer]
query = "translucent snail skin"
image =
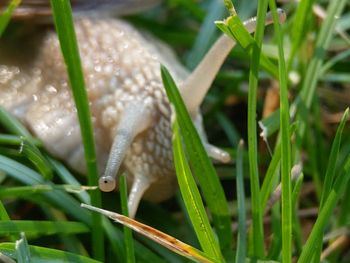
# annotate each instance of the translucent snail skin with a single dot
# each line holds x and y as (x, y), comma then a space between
(130, 110)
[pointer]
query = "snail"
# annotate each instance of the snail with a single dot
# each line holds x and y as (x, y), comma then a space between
(130, 110)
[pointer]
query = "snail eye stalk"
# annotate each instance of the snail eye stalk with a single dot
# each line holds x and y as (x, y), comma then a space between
(204, 74)
(136, 118)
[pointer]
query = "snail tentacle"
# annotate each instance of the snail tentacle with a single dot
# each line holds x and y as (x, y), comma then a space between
(135, 119)
(198, 83)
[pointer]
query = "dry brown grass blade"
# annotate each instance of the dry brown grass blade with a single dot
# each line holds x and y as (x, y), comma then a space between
(165, 240)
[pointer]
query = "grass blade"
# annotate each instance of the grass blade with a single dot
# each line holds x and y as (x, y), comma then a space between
(228, 127)
(270, 125)
(234, 28)
(28, 145)
(297, 232)
(285, 144)
(33, 154)
(334, 60)
(28, 191)
(314, 69)
(62, 13)
(129, 244)
(192, 199)
(63, 173)
(6, 15)
(40, 254)
(201, 164)
(3, 213)
(206, 35)
(242, 231)
(270, 177)
(12, 125)
(165, 240)
(298, 29)
(27, 176)
(8, 139)
(333, 157)
(22, 250)
(330, 173)
(325, 214)
(39, 228)
(257, 225)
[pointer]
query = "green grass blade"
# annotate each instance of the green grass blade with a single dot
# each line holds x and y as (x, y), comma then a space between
(334, 60)
(193, 200)
(3, 213)
(27, 176)
(298, 29)
(297, 232)
(27, 144)
(206, 35)
(64, 26)
(325, 214)
(285, 145)
(12, 125)
(47, 255)
(129, 244)
(313, 72)
(242, 231)
(116, 240)
(22, 250)
(314, 159)
(39, 228)
(33, 154)
(333, 157)
(270, 125)
(257, 225)
(229, 129)
(6, 15)
(270, 177)
(8, 139)
(193, 7)
(234, 28)
(66, 176)
(275, 247)
(201, 164)
(330, 173)
(38, 189)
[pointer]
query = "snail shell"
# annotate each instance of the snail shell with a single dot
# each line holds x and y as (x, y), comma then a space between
(40, 9)
(130, 111)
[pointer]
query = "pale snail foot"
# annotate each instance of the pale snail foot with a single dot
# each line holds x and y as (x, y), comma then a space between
(139, 186)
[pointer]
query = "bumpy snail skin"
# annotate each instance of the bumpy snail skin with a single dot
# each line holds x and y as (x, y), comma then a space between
(130, 111)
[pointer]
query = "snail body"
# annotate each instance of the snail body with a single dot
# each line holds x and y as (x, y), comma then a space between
(130, 111)
(121, 81)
